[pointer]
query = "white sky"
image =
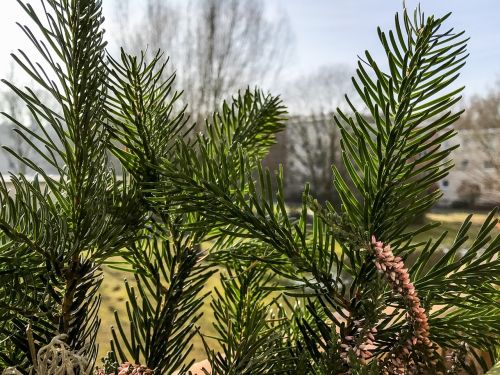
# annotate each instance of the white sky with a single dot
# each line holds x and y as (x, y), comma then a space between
(336, 31)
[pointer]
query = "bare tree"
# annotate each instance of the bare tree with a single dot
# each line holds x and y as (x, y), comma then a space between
(216, 46)
(311, 153)
(321, 91)
(314, 139)
(157, 29)
(483, 112)
(12, 105)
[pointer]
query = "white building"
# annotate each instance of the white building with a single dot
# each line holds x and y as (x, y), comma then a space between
(476, 175)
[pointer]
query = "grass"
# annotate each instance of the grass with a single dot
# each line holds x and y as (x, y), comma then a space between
(450, 222)
(495, 370)
(114, 293)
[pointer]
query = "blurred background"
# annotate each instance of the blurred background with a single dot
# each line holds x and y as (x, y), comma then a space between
(306, 51)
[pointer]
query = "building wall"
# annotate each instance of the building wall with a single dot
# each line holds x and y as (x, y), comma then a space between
(477, 161)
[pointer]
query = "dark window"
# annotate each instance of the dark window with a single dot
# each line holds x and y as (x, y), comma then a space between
(465, 164)
(488, 164)
(446, 183)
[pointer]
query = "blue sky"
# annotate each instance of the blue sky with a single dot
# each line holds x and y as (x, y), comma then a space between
(334, 31)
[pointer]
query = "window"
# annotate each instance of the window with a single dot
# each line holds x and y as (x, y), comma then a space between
(445, 183)
(464, 164)
(488, 164)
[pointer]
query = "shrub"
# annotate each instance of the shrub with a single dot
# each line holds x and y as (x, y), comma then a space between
(468, 193)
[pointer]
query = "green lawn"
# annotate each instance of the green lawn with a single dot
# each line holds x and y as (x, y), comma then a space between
(451, 222)
(114, 293)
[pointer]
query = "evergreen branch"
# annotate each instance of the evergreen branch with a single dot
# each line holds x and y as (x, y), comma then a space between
(243, 332)
(71, 223)
(395, 158)
(143, 115)
(164, 310)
